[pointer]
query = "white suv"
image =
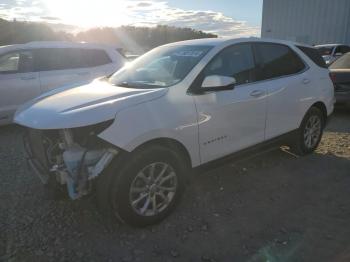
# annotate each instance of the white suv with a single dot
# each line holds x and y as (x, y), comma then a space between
(136, 135)
(28, 70)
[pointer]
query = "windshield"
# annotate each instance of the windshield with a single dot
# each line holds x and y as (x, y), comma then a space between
(325, 50)
(162, 67)
(342, 63)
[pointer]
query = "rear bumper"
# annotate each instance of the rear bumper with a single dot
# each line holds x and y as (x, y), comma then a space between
(342, 97)
(34, 163)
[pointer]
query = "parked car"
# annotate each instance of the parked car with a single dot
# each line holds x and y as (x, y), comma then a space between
(28, 70)
(340, 72)
(136, 135)
(332, 52)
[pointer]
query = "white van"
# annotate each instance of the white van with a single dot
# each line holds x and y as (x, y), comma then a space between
(28, 70)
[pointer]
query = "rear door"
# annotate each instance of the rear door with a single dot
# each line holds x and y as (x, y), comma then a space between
(60, 67)
(18, 82)
(284, 74)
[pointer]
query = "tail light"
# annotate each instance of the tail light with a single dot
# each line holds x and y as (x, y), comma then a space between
(333, 77)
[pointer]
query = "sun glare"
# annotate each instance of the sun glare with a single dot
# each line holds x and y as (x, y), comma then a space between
(89, 13)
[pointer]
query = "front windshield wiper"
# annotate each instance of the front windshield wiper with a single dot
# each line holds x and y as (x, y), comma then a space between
(126, 84)
(138, 85)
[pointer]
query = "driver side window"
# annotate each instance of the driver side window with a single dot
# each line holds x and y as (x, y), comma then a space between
(235, 61)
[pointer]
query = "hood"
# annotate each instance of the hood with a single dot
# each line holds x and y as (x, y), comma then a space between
(83, 105)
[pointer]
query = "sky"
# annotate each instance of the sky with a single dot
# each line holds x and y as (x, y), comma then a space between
(234, 18)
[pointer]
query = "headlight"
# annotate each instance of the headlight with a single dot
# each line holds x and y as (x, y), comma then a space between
(86, 136)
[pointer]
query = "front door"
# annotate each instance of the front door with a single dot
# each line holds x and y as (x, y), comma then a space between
(18, 83)
(231, 120)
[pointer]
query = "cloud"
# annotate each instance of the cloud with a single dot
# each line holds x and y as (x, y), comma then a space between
(125, 12)
(144, 4)
(50, 18)
(21, 10)
(210, 21)
(159, 12)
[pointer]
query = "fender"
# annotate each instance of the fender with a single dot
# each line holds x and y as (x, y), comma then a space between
(139, 124)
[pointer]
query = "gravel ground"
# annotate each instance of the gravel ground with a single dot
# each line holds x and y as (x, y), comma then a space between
(274, 207)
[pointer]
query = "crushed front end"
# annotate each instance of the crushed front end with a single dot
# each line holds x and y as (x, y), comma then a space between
(73, 157)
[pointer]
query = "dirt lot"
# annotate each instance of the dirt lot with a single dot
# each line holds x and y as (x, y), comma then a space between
(274, 207)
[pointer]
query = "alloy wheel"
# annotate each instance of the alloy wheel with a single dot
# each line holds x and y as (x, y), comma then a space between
(153, 189)
(312, 131)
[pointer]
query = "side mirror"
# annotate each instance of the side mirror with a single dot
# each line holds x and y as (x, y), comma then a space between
(218, 83)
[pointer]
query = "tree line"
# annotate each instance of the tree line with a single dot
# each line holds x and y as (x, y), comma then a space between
(133, 39)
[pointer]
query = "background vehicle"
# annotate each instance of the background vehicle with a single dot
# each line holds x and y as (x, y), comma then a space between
(340, 72)
(177, 107)
(28, 70)
(332, 52)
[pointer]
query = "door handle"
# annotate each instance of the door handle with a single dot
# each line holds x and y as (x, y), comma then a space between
(257, 93)
(306, 81)
(28, 77)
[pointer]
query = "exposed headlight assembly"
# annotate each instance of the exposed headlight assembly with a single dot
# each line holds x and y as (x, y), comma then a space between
(84, 156)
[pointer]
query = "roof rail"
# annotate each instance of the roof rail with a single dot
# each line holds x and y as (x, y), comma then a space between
(48, 42)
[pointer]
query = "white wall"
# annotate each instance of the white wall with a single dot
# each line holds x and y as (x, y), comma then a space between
(307, 21)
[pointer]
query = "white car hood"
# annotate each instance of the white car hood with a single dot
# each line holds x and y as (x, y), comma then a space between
(83, 105)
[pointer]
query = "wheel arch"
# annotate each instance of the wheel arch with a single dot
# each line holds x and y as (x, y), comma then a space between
(319, 105)
(322, 107)
(171, 144)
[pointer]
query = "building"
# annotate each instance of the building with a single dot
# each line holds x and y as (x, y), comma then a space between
(307, 21)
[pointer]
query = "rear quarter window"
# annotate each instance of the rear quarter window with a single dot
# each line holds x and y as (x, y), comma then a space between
(314, 55)
(48, 59)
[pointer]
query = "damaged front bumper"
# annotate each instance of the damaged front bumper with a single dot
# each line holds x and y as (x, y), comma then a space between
(72, 164)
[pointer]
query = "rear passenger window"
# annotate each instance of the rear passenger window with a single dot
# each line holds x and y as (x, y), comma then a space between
(95, 57)
(236, 61)
(276, 60)
(48, 59)
(314, 55)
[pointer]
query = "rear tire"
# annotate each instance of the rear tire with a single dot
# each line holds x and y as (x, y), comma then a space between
(309, 133)
(144, 188)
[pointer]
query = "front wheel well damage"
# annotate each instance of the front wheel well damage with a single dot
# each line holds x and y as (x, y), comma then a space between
(171, 144)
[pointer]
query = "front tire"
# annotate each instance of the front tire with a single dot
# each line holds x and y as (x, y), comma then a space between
(309, 133)
(147, 187)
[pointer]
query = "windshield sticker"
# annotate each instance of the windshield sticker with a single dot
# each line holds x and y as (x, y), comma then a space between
(189, 53)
